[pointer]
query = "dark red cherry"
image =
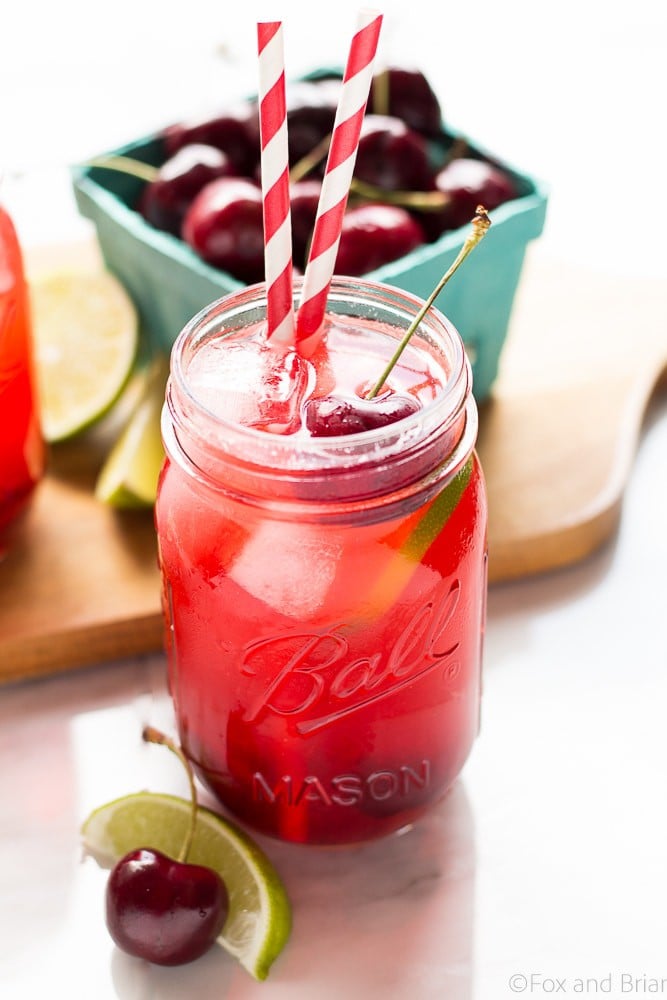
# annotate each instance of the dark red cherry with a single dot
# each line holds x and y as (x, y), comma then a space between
(375, 234)
(410, 98)
(224, 226)
(165, 200)
(311, 111)
(162, 910)
(235, 131)
(334, 415)
(468, 183)
(304, 199)
(392, 156)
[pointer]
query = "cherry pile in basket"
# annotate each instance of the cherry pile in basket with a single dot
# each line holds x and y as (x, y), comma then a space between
(413, 180)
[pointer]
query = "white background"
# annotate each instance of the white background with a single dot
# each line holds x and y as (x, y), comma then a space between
(572, 92)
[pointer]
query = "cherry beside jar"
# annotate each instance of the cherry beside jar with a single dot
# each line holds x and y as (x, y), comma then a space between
(324, 597)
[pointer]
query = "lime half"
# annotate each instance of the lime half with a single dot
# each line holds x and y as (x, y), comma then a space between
(86, 334)
(259, 920)
(130, 473)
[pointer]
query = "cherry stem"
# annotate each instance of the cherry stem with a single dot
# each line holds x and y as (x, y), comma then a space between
(125, 165)
(480, 226)
(308, 162)
(381, 93)
(152, 735)
(427, 201)
(458, 149)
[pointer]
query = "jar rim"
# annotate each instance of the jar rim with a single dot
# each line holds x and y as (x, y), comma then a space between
(282, 453)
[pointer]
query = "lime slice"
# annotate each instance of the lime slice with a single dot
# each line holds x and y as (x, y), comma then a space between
(130, 473)
(259, 920)
(86, 335)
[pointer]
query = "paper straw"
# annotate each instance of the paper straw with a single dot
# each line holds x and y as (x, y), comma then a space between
(275, 182)
(336, 184)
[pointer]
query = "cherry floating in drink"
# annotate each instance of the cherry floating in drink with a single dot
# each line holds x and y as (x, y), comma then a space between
(329, 416)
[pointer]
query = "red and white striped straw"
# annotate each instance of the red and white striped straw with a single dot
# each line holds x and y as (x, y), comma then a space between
(336, 184)
(275, 182)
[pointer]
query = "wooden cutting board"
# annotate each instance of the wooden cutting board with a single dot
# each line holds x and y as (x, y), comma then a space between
(586, 356)
(79, 584)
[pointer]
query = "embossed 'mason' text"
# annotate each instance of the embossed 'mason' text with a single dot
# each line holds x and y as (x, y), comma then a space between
(343, 789)
(313, 677)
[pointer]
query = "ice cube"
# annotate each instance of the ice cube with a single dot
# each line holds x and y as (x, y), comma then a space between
(288, 566)
(250, 382)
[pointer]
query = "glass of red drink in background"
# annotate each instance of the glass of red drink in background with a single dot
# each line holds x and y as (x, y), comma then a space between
(21, 444)
(324, 596)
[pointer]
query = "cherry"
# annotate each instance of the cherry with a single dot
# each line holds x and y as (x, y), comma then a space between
(467, 182)
(330, 416)
(392, 156)
(375, 234)
(224, 226)
(235, 132)
(409, 96)
(162, 910)
(165, 200)
(311, 111)
(304, 199)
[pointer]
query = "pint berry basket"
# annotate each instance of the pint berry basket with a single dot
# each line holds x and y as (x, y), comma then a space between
(169, 283)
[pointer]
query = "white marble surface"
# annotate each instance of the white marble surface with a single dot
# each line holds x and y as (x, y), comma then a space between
(548, 858)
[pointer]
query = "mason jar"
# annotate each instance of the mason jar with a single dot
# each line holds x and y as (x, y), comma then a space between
(323, 594)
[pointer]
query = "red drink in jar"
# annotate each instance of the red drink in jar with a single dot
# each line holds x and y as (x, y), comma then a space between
(21, 445)
(324, 596)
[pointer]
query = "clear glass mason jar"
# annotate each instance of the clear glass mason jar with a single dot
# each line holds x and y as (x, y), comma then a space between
(324, 597)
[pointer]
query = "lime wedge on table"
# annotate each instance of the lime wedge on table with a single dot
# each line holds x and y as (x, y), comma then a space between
(86, 335)
(130, 472)
(259, 920)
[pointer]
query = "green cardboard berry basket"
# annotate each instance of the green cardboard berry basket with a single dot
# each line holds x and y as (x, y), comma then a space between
(169, 283)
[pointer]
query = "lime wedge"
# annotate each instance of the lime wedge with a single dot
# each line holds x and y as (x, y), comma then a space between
(403, 560)
(259, 920)
(437, 515)
(86, 335)
(130, 473)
